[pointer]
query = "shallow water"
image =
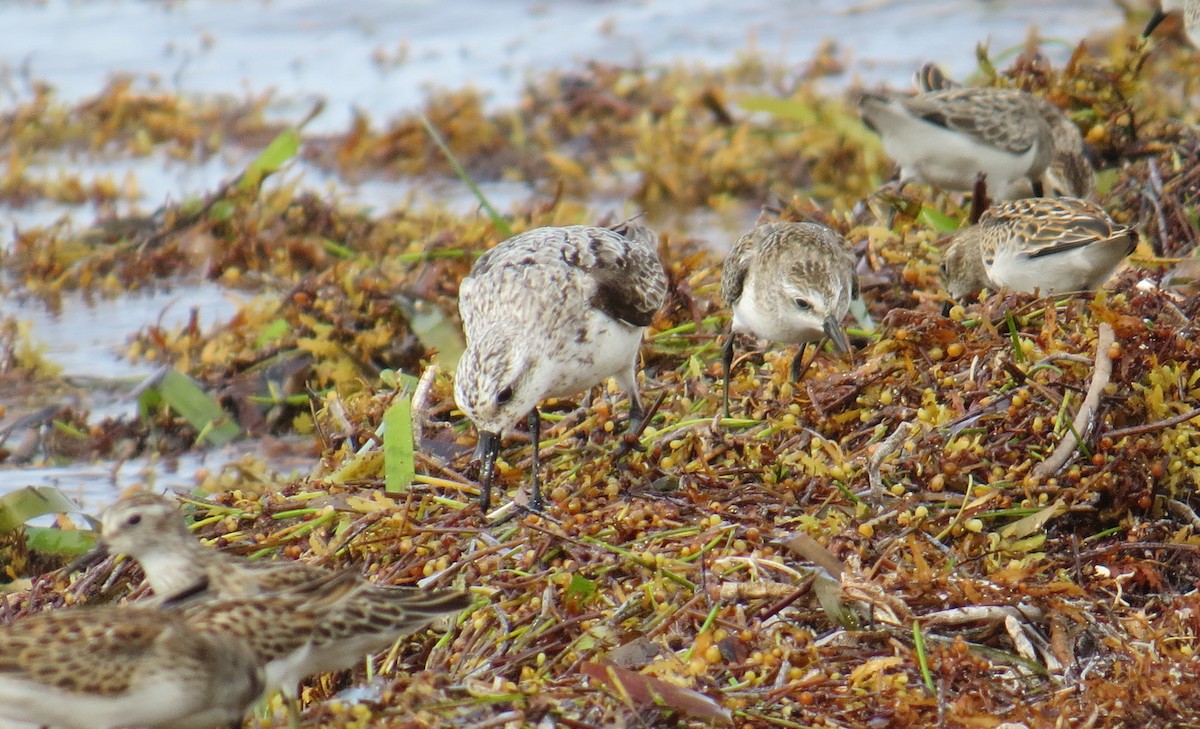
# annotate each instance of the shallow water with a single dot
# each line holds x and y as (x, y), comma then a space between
(383, 56)
(309, 48)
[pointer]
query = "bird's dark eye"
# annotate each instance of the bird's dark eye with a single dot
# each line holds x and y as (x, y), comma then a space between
(134, 520)
(804, 305)
(505, 396)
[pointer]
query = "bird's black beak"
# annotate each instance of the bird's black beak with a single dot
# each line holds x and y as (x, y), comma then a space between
(946, 307)
(837, 335)
(485, 453)
(1158, 17)
(90, 558)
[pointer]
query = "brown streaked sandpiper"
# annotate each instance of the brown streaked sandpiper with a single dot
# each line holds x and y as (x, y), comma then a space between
(1050, 245)
(106, 667)
(350, 618)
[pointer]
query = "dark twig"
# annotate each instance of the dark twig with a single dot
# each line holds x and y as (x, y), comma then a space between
(1150, 427)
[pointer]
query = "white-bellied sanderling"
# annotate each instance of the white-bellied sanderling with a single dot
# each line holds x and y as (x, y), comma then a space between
(1191, 18)
(105, 667)
(348, 621)
(790, 283)
(549, 313)
(948, 137)
(1069, 173)
(1050, 245)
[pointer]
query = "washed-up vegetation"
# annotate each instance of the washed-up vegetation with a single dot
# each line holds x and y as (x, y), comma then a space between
(975, 519)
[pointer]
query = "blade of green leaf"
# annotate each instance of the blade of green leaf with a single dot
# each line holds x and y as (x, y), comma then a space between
(67, 542)
(30, 502)
(277, 329)
(399, 463)
(281, 149)
(580, 590)
(194, 405)
(937, 220)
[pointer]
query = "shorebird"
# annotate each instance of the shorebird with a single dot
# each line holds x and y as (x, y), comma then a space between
(790, 283)
(947, 137)
(350, 618)
(1050, 245)
(106, 667)
(1069, 174)
(1191, 18)
(549, 313)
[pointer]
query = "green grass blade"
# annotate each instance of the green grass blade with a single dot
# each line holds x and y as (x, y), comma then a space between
(499, 222)
(1015, 335)
(923, 657)
(399, 461)
(194, 405)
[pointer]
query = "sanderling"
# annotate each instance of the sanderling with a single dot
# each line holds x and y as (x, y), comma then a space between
(791, 283)
(1049, 245)
(1191, 18)
(549, 313)
(947, 137)
(105, 667)
(351, 620)
(1069, 173)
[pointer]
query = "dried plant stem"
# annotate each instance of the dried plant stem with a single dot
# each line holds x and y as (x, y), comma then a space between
(1083, 417)
(885, 449)
(1157, 425)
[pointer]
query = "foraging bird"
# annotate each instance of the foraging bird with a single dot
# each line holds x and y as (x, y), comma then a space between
(106, 667)
(348, 617)
(947, 137)
(549, 313)
(790, 283)
(1069, 174)
(1049, 245)
(330, 624)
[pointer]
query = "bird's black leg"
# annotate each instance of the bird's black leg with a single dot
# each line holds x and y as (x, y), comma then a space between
(535, 435)
(639, 417)
(1038, 189)
(727, 362)
(637, 413)
(798, 367)
(486, 450)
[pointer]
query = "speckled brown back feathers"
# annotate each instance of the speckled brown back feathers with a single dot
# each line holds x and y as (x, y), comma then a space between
(109, 651)
(1048, 226)
(629, 282)
(1002, 118)
(47, 647)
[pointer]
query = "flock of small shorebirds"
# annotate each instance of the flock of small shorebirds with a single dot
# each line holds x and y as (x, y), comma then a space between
(550, 313)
